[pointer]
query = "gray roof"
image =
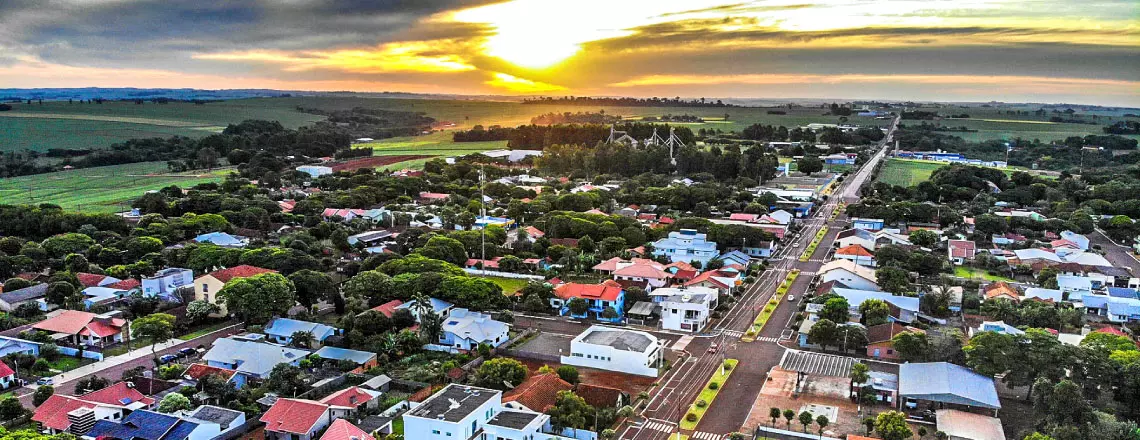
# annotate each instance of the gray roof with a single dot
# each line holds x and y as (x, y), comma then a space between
(817, 363)
(643, 308)
(619, 339)
(454, 402)
(255, 358)
(371, 424)
(513, 419)
(26, 294)
(949, 383)
(222, 416)
(344, 354)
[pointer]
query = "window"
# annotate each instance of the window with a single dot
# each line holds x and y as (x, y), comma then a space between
(449, 433)
(205, 287)
(435, 431)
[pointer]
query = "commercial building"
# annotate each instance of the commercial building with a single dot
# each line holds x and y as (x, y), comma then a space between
(608, 348)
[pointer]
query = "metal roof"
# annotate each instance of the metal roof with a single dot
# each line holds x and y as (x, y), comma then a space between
(817, 363)
(949, 383)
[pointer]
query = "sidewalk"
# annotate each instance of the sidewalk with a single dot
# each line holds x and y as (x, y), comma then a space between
(137, 353)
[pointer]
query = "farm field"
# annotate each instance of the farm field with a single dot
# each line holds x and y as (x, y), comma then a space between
(17, 133)
(437, 144)
(99, 189)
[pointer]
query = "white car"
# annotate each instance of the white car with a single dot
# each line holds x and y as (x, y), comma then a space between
(792, 298)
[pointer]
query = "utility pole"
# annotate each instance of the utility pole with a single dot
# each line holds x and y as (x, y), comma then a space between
(483, 213)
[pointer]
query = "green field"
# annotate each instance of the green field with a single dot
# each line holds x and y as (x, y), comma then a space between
(99, 189)
(907, 172)
(998, 123)
(510, 285)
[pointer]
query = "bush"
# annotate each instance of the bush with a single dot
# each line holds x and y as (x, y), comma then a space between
(691, 417)
(714, 385)
(702, 403)
(41, 365)
(727, 365)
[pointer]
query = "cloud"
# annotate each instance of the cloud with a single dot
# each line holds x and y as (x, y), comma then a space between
(520, 85)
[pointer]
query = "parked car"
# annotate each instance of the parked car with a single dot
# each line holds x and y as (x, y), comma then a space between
(187, 351)
(792, 298)
(167, 358)
(45, 381)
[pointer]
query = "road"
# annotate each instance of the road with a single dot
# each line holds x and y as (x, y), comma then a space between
(1117, 254)
(684, 381)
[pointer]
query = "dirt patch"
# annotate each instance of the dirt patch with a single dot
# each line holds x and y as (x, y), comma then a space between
(375, 161)
(629, 383)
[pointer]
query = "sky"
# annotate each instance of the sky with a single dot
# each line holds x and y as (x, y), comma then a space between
(1069, 51)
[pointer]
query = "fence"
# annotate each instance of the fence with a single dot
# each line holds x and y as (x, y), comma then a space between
(548, 358)
(72, 351)
(495, 273)
(773, 433)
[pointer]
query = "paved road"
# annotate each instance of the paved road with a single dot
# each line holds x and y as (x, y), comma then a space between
(730, 410)
(1117, 254)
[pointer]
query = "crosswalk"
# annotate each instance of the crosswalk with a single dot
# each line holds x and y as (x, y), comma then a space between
(705, 436)
(767, 339)
(658, 426)
(733, 333)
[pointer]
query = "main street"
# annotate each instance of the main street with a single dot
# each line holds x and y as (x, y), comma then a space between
(680, 386)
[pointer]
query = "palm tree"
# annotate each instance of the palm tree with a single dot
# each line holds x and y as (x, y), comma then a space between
(859, 374)
(789, 415)
(822, 421)
(774, 413)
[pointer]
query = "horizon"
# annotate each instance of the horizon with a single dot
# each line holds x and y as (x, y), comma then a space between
(970, 51)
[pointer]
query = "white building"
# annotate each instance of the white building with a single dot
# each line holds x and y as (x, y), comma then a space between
(686, 245)
(849, 274)
(165, 282)
(465, 330)
(459, 412)
(686, 309)
(608, 348)
(315, 170)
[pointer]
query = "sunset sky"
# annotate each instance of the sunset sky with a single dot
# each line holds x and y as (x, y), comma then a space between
(962, 50)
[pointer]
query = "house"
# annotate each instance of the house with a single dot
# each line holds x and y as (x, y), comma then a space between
(644, 273)
(614, 349)
(9, 345)
(1047, 295)
(961, 251)
(251, 358)
(33, 294)
(884, 237)
(342, 429)
(879, 340)
(849, 274)
(150, 425)
(723, 280)
(78, 414)
(206, 287)
(467, 330)
(764, 249)
(537, 393)
(1007, 239)
(599, 396)
(857, 254)
(946, 384)
(904, 309)
(687, 309)
(353, 398)
(296, 419)
(861, 237)
(388, 308)
(533, 233)
(315, 170)
(686, 245)
(996, 327)
(1112, 309)
(281, 330)
(346, 214)
(166, 282)
(93, 296)
(1075, 287)
(95, 280)
(840, 159)
(369, 238)
(365, 360)
(968, 426)
(466, 412)
(195, 372)
(73, 327)
(735, 257)
(223, 239)
(598, 297)
(1001, 290)
(483, 221)
(433, 197)
(867, 224)
(7, 376)
(228, 420)
(1081, 241)
(1031, 256)
(885, 387)
(438, 306)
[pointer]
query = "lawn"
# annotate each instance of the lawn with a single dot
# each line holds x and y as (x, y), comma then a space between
(438, 143)
(969, 272)
(510, 285)
(770, 308)
(99, 189)
(68, 363)
(398, 426)
(708, 394)
(205, 331)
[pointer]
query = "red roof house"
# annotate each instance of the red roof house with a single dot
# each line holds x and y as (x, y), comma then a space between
(606, 291)
(52, 414)
(342, 429)
(198, 371)
(120, 394)
(303, 418)
(243, 271)
(94, 280)
(84, 327)
(351, 397)
(538, 392)
(389, 307)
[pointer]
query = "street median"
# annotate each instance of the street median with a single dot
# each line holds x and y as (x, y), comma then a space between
(708, 394)
(770, 307)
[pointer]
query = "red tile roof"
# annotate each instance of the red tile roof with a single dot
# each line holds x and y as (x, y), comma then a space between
(198, 371)
(884, 332)
(75, 322)
(127, 284)
(491, 264)
(1112, 331)
(118, 394)
(708, 276)
(5, 370)
(243, 271)
(350, 397)
(90, 279)
(641, 270)
(533, 232)
(342, 429)
(854, 250)
(604, 291)
(53, 412)
(294, 416)
(684, 275)
(740, 216)
(389, 307)
(538, 392)
(599, 396)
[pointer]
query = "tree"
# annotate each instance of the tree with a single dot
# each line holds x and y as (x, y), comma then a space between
(285, 380)
(893, 279)
(989, 353)
(198, 310)
(875, 312)
(809, 165)
(444, 248)
(822, 421)
(208, 157)
(256, 299)
(569, 411)
(789, 415)
(923, 238)
(91, 383)
(312, 286)
(158, 327)
(869, 423)
(500, 373)
(806, 419)
(891, 425)
(774, 414)
(1107, 343)
(568, 373)
(823, 332)
(173, 402)
(911, 346)
(1035, 436)
(301, 339)
(836, 310)
(921, 432)
(860, 373)
(42, 393)
(60, 293)
(371, 285)
(578, 306)
(10, 408)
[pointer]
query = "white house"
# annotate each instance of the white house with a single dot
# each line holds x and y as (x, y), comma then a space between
(1074, 287)
(315, 170)
(685, 309)
(465, 330)
(459, 412)
(1080, 240)
(165, 282)
(281, 330)
(250, 358)
(861, 237)
(849, 274)
(686, 245)
(614, 349)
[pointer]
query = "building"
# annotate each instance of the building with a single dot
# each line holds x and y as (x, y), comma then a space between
(943, 384)
(296, 419)
(251, 359)
(961, 251)
(879, 340)
(1081, 241)
(73, 328)
(353, 398)
(647, 274)
(94, 296)
(1112, 309)
(856, 254)
(537, 393)
(78, 414)
(849, 274)
(686, 245)
(9, 345)
(962, 425)
(598, 297)
(365, 360)
(369, 238)
(150, 425)
(608, 348)
(315, 170)
(840, 159)
(855, 236)
(206, 287)
(281, 330)
(1075, 287)
(723, 280)
(438, 306)
(867, 224)
(685, 309)
(195, 372)
(33, 294)
(1047, 295)
(1001, 290)
(996, 327)
(223, 239)
(464, 412)
(466, 330)
(227, 419)
(342, 429)
(166, 282)
(904, 309)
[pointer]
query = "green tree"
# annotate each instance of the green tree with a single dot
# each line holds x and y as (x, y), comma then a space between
(443, 248)
(823, 332)
(860, 373)
(285, 380)
(806, 419)
(61, 293)
(893, 279)
(1037, 436)
(923, 238)
(809, 165)
(989, 353)
(822, 421)
(301, 339)
(58, 246)
(158, 327)
(199, 310)
(774, 414)
(911, 346)
(371, 285)
(1107, 343)
(173, 402)
(256, 299)
(875, 312)
(891, 425)
(570, 411)
(43, 392)
(10, 408)
(568, 373)
(836, 310)
(312, 286)
(578, 306)
(789, 415)
(500, 373)
(91, 383)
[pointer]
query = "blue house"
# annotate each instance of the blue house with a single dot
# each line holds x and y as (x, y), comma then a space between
(735, 257)
(599, 297)
(686, 245)
(867, 224)
(439, 306)
(281, 330)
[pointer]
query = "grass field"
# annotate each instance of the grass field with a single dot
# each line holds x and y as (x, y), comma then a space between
(510, 285)
(99, 189)
(907, 172)
(969, 272)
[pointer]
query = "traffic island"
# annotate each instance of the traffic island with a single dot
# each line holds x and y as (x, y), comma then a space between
(770, 307)
(814, 244)
(708, 394)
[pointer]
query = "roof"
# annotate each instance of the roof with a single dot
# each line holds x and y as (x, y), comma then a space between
(389, 307)
(74, 322)
(139, 425)
(1000, 288)
(599, 396)
(350, 397)
(1036, 254)
(377, 382)
(198, 371)
(220, 239)
(855, 250)
(603, 291)
(949, 383)
(285, 327)
(437, 305)
(642, 308)
(819, 364)
(884, 332)
(962, 424)
(344, 354)
(513, 419)
(473, 325)
(538, 392)
(1044, 294)
(53, 412)
(862, 234)
(92, 280)
(251, 357)
(962, 248)
(243, 271)
(625, 340)
(862, 271)
(118, 394)
(856, 297)
(641, 270)
(127, 284)
(216, 414)
(29, 293)
(5, 370)
(534, 232)
(295, 416)
(342, 429)
(466, 399)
